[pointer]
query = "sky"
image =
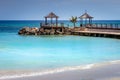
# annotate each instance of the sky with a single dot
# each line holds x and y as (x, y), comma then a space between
(37, 9)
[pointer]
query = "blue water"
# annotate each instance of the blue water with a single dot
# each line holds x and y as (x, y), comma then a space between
(48, 52)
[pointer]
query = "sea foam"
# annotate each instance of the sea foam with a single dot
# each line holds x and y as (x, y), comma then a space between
(58, 70)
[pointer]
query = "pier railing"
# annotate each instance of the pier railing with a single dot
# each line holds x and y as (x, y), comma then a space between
(103, 26)
(52, 25)
(91, 26)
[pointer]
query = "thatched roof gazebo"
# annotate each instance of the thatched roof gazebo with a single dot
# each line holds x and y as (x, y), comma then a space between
(86, 17)
(51, 16)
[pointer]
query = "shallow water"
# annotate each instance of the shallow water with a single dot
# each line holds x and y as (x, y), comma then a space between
(44, 52)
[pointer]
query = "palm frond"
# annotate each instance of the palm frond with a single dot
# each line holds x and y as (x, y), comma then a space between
(73, 20)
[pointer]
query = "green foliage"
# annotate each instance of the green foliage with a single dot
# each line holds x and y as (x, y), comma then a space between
(73, 20)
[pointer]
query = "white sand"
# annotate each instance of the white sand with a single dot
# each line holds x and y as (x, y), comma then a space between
(108, 71)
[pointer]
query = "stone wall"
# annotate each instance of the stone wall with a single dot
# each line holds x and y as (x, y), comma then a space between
(42, 31)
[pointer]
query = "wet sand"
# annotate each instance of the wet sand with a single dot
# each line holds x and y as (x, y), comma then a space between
(108, 71)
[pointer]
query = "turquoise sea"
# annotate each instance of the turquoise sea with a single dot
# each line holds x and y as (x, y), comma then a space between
(51, 52)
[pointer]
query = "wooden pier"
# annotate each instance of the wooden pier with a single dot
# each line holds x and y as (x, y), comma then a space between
(94, 30)
(99, 33)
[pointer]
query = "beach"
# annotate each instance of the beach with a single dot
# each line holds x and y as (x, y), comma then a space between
(104, 71)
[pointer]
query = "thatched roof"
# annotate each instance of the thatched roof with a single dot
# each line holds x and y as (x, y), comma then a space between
(85, 16)
(51, 15)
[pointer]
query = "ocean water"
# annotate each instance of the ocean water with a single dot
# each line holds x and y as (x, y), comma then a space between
(51, 52)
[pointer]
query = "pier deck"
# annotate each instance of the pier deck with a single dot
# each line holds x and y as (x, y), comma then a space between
(99, 33)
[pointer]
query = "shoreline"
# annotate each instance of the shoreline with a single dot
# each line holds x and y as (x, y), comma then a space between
(87, 72)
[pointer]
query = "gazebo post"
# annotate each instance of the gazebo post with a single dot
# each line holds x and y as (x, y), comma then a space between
(45, 20)
(89, 21)
(81, 22)
(51, 21)
(85, 21)
(56, 22)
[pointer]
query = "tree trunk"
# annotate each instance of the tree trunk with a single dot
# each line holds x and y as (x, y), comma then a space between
(74, 25)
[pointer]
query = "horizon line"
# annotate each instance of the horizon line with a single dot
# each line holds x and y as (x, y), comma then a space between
(43, 19)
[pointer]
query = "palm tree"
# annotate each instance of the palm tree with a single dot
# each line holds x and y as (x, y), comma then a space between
(73, 20)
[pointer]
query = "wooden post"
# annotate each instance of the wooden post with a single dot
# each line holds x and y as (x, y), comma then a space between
(40, 24)
(56, 22)
(111, 26)
(101, 26)
(61, 24)
(45, 20)
(96, 25)
(81, 22)
(89, 21)
(117, 26)
(62, 30)
(85, 22)
(106, 26)
(51, 22)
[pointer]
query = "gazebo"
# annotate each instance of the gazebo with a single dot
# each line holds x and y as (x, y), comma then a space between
(51, 16)
(85, 19)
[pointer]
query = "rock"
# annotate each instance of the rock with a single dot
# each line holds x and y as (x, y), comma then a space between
(58, 32)
(27, 33)
(47, 32)
(35, 33)
(42, 31)
(52, 32)
(27, 29)
(68, 32)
